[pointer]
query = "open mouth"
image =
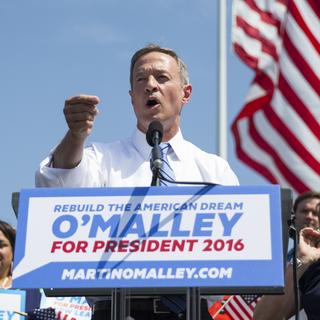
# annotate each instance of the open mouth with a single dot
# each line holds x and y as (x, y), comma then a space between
(152, 102)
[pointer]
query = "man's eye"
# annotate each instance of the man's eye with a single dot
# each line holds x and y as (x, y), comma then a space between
(162, 78)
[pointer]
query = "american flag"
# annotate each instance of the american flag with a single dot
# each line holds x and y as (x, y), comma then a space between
(236, 307)
(43, 314)
(277, 133)
(241, 307)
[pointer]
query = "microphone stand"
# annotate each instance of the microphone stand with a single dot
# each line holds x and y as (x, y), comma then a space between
(155, 161)
(162, 177)
(155, 178)
(294, 235)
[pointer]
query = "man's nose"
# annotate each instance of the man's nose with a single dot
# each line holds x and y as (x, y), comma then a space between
(310, 215)
(151, 84)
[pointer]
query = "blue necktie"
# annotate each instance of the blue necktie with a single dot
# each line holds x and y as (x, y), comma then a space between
(166, 169)
(175, 303)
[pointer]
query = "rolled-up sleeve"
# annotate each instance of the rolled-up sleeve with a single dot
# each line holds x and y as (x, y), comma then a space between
(86, 174)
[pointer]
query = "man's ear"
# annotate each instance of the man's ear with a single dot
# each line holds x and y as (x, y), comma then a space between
(131, 95)
(187, 89)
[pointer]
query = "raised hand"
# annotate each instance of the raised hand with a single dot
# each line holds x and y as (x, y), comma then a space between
(309, 245)
(80, 112)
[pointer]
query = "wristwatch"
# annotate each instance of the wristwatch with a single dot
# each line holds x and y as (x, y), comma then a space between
(298, 263)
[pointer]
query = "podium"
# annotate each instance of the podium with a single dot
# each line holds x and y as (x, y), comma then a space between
(145, 241)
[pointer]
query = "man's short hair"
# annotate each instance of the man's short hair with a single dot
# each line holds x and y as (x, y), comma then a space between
(183, 70)
(304, 196)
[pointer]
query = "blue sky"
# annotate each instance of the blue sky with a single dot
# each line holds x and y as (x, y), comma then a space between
(51, 50)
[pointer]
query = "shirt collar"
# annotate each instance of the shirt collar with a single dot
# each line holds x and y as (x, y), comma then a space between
(139, 141)
(178, 145)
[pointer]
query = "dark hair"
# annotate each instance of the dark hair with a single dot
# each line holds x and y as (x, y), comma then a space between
(304, 196)
(9, 232)
(183, 71)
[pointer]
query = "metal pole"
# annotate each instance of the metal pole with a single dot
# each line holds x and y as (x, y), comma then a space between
(193, 299)
(222, 80)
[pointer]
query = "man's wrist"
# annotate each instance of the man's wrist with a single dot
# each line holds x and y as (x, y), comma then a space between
(299, 263)
(302, 263)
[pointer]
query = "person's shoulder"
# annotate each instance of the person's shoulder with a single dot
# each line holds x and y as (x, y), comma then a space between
(204, 155)
(213, 165)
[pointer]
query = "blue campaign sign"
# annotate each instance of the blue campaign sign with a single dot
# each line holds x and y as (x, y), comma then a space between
(12, 304)
(149, 237)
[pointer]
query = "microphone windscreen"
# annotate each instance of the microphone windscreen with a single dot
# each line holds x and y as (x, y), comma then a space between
(154, 126)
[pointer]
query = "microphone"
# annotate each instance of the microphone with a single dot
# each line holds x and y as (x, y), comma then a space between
(155, 133)
(154, 137)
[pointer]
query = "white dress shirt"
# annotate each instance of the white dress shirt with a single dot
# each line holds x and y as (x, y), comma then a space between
(126, 163)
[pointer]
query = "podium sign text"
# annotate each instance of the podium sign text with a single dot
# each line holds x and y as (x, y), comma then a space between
(149, 237)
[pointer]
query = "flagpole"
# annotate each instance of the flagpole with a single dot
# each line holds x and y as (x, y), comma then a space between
(222, 306)
(222, 81)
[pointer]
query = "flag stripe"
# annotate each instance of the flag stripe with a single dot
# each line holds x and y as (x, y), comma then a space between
(236, 307)
(301, 43)
(299, 127)
(252, 150)
(244, 306)
(299, 89)
(239, 308)
(267, 46)
(263, 144)
(246, 58)
(265, 15)
(297, 104)
(293, 162)
(236, 312)
(277, 133)
(257, 154)
(262, 157)
(314, 8)
(301, 64)
(264, 170)
(292, 140)
(262, 26)
(303, 24)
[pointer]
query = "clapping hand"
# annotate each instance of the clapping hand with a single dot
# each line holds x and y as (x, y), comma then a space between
(309, 245)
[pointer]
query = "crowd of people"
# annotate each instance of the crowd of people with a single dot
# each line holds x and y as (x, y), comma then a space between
(306, 210)
(159, 90)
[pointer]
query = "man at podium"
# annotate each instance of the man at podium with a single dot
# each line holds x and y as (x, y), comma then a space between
(160, 88)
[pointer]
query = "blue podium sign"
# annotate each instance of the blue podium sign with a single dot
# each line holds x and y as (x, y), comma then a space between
(149, 237)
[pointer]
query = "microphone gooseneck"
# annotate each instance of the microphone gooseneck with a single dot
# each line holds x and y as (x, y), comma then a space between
(154, 137)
